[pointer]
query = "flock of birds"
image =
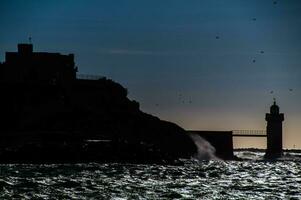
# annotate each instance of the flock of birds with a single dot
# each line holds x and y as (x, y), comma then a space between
(254, 19)
(189, 101)
(261, 52)
(181, 100)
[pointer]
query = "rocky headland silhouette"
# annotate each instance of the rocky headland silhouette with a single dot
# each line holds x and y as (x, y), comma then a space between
(51, 115)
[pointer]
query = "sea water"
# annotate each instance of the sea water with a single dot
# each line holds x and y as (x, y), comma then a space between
(249, 179)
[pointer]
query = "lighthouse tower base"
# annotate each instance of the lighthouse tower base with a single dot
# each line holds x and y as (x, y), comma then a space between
(274, 132)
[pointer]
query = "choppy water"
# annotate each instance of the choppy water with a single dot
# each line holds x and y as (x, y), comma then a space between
(254, 179)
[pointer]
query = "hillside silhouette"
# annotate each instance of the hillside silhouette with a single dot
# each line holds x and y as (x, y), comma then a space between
(51, 115)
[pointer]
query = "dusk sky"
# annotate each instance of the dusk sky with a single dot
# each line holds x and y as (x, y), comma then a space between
(203, 64)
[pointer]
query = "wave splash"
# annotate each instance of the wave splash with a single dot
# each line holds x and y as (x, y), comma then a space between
(205, 151)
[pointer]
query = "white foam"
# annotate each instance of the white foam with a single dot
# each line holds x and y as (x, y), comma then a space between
(205, 151)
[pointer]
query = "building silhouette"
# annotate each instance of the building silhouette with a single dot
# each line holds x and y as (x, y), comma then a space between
(274, 132)
(28, 66)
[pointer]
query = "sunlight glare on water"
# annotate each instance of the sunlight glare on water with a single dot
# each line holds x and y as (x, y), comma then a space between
(254, 179)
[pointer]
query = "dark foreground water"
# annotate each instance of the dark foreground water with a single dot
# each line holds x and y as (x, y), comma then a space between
(254, 179)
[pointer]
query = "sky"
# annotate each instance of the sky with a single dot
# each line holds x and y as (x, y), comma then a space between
(203, 64)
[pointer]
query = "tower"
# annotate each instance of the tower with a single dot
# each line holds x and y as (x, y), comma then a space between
(274, 132)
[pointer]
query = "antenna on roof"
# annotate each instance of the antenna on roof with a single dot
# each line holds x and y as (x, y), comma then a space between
(29, 39)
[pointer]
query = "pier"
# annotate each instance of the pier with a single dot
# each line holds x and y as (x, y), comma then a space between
(249, 133)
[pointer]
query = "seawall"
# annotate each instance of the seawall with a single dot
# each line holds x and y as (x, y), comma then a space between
(222, 141)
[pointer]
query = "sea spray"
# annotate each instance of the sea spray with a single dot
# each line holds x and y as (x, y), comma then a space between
(205, 151)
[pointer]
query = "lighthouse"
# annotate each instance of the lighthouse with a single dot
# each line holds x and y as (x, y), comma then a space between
(274, 132)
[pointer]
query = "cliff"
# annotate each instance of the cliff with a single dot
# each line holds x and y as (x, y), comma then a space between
(88, 120)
